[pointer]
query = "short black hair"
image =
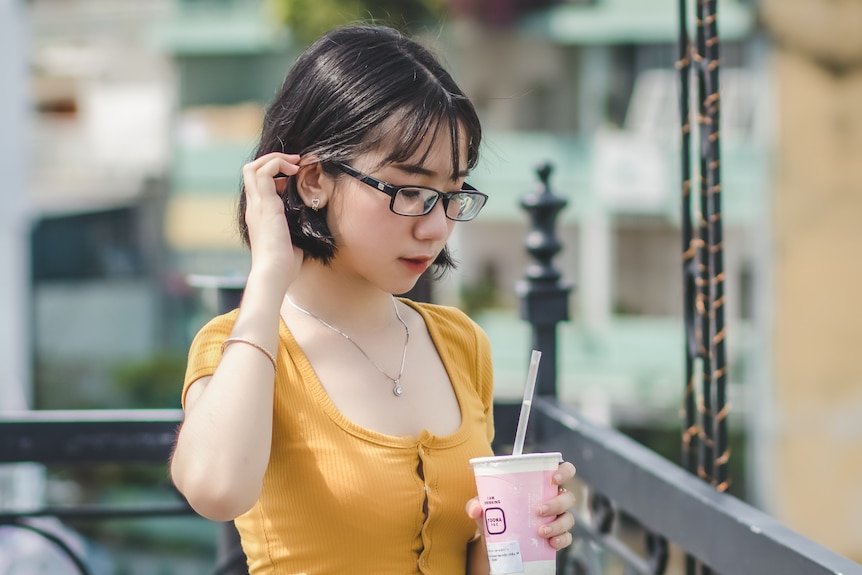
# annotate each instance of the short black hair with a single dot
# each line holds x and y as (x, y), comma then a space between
(348, 92)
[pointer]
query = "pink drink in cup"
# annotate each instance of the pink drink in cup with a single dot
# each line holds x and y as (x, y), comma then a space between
(511, 487)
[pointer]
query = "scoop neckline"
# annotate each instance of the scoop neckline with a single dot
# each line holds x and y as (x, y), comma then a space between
(318, 392)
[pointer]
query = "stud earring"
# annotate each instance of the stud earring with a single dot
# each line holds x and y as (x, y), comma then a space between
(315, 204)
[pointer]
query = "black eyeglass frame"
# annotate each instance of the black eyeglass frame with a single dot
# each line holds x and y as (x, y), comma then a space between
(392, 191)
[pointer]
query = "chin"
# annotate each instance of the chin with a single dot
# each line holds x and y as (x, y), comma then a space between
(405, 288)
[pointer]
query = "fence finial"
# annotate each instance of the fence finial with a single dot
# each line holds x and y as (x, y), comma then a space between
(544, 297)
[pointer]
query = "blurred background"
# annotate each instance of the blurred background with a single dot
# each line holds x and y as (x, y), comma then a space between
(125, 124)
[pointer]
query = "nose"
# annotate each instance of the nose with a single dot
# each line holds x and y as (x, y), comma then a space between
(434, 225)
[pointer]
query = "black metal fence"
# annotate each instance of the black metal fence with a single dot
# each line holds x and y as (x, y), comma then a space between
(88, 438)
(625, 481)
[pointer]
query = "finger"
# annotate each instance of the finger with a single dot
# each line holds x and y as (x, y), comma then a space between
(270, 167)
(474, 512)
(561, 541)
(562, 524)
(474, 509)
(292, 159)
(564, 501)
(564, 472)
(281, 179)
(268, 180)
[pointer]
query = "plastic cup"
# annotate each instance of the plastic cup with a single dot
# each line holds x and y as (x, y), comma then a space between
(511, 487)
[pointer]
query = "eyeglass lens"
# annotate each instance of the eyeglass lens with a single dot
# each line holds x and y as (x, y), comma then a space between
(419, 201)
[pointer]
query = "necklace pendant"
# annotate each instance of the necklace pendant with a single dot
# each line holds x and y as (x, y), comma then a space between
(396, 383)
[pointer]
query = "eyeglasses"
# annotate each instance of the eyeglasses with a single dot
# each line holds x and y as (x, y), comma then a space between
(460, 206)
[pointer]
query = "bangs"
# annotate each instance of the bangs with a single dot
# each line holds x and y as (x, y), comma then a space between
(413, 130)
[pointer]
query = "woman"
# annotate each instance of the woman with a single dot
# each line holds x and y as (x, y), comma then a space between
(331, 420)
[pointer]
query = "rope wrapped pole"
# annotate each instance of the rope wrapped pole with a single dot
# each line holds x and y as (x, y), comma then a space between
(715, 234)
(689, 245)
(690, 426)
(704, 437)
(703, 300)
(711, 285)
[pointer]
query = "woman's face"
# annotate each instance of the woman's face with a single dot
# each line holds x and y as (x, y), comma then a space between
(380, 247)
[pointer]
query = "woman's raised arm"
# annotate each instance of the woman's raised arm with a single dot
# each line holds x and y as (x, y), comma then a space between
(223, 445)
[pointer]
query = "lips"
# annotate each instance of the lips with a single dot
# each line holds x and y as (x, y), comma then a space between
(417, 265)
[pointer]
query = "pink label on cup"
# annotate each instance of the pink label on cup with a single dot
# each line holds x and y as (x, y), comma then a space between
(509, 501)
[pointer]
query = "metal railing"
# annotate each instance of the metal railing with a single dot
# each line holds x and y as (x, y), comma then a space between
(624, 480)
(82, 438)
(91, 438)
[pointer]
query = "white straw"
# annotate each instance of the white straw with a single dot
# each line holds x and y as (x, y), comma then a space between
(521, 433)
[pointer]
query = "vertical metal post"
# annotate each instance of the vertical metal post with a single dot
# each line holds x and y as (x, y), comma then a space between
(19, 483)
(544, 297)
(704, 303)
(15, 394)
(703, 264)
(690, 427)
(715, 235)
(689, 245)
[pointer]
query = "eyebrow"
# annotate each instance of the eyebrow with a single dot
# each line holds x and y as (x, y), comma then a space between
(423, 171)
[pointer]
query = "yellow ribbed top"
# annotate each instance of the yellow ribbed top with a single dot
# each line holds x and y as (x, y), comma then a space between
(338, 498)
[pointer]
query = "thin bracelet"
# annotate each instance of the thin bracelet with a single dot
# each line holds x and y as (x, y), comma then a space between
(231, 340)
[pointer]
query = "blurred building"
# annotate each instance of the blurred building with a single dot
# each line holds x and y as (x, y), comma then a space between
(150, 110)
(588, 86)
(815, 267)
(102, 102)
(600, 106)
(591, 88)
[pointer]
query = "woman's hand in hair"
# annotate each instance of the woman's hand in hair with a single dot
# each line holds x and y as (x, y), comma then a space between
(272, 251)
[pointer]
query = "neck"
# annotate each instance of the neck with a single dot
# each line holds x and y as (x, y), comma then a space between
(397, 389)
(356, 307)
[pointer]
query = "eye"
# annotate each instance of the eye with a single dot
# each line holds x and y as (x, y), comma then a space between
(410, 194)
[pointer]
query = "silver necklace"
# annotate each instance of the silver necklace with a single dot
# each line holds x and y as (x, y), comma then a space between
(396, 381)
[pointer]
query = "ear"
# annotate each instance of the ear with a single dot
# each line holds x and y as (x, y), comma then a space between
(312, 183)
